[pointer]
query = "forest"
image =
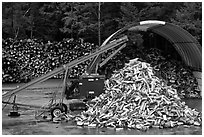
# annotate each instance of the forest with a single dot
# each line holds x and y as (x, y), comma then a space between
(92, 21)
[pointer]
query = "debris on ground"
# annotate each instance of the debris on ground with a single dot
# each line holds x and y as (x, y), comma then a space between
(63, 117)
(136, 98)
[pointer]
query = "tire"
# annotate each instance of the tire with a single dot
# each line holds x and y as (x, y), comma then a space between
(63, 107)
(56, 111)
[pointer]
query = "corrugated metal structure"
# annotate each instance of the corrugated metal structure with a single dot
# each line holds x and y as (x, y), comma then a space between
(185, 44)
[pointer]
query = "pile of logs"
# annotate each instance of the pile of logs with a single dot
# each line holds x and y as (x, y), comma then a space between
(135, 98)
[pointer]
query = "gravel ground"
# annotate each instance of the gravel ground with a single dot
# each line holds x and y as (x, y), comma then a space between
(26, 124)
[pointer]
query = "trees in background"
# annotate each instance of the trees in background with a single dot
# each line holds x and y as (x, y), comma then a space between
(189, 17)
(57, 20)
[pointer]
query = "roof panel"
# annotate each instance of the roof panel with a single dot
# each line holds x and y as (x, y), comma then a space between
(175, 35)
(143, 27)
(185, 44)
(191, 55)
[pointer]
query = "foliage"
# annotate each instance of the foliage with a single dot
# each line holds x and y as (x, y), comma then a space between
(14, 19)
(189, 17)
(57, 20)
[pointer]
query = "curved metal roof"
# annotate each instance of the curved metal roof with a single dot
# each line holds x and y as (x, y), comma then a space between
(185, 44)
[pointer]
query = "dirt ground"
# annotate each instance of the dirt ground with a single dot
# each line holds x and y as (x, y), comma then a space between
(40, 95)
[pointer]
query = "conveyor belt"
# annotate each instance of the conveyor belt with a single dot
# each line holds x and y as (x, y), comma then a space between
(66, 66)
(113, 54)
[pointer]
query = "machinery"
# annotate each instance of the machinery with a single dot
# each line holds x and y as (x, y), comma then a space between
(91, 84)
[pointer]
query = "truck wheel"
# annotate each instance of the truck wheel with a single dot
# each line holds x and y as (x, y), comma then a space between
(56, 111)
